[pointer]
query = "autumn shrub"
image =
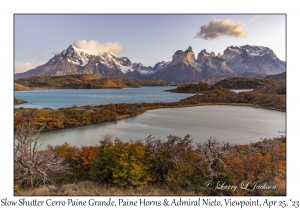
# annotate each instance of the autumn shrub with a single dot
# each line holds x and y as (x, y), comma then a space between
(121, 163)
(175, 164)
(261, 162)
(172, 160)
(79, 160)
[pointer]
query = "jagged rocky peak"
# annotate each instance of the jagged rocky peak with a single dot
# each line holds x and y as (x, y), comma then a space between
(142, 69)
(73, 55)
(178, 52)
(219, 55)
(206, 63)
(138, 65)
(177, 57)
(125, 61)
(190, 57)
(73, 51)
(232, 50)
(189, 50)
(160, 65)
(213, 54)
(186, 57)
(202, 56)
(69, 51)
(203, 53)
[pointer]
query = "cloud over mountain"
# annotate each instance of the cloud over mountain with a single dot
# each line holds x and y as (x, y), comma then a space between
(256, 17)
(219, 28)
(95, 47)
(26, 65)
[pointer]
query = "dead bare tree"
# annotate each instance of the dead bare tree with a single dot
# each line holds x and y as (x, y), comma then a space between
(32, 165)
(214, 151)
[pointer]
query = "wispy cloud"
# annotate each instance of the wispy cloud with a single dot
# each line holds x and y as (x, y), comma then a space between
(256, 17)
(21, 66)
(96, 47)
(221, 28)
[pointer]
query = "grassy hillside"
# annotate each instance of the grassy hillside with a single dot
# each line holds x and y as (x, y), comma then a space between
(244, 83)
(18, 87)
(81, 81)
(191, 88)
(278, 77)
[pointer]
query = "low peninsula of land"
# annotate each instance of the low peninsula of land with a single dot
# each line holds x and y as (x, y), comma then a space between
(82, 81)
(270, 86)
(265, 96)
(19, 101)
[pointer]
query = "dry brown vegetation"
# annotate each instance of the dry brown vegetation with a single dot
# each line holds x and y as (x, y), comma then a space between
(245, 83)
(172, 167)
(33, 166)
(81, 81)
(90, 188)
(18, 87)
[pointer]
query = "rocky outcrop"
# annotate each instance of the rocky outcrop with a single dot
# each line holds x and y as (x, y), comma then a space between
(212, 64)
(178, 73)
(182, 68)
(187, 57)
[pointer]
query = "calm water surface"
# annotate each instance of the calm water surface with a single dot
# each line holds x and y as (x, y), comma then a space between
(67, 98)
(241, 90)
(235, 124)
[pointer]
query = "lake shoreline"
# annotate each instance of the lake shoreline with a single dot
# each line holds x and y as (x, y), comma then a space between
(54, 119)
(176, 107)
(235, 124)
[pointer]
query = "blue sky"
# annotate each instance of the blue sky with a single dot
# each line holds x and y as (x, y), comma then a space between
(140, 37)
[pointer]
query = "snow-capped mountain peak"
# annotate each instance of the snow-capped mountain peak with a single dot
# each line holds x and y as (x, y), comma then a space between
(258, 50)
(82, 58)
(251, 50)
(234, 61)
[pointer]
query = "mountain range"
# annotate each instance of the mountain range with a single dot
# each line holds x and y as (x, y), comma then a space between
(184, 66)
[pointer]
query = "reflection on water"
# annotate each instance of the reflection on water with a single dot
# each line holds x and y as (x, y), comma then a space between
(241, 90)
(235, 124)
